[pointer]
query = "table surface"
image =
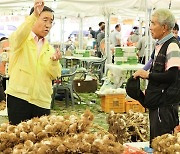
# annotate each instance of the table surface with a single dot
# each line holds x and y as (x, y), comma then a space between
(138, 144)
(125, 66)
(91, 58)
(119, 72)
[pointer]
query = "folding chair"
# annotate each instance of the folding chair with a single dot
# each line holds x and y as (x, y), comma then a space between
(97, 68)
(64, 83)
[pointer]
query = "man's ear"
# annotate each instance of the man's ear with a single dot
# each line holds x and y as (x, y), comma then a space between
(165, 27)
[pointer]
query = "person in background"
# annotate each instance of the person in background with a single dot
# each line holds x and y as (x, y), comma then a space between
(100, 36)
(163, 116)
(2, 94)
(4, 41)
(33, 64)
(116, 36)
(134, 37)
(115, 39)
(2, 80)
(141, 47)
(175, 31)
(3, 38)
(68, 43)
(92, 32)
(90, 42)
(100, 28)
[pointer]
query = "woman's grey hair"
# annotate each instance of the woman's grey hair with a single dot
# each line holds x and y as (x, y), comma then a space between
(165, 17)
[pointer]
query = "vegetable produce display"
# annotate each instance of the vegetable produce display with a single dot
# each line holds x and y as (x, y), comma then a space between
(2, 105)
(167, 143)
(130, 127)
(57, 134)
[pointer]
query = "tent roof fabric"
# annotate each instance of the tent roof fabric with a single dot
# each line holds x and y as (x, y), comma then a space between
(86, 8)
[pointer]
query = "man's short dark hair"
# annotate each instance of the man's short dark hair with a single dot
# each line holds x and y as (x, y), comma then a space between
(3, 38)
(100, 24)
(135, 27)
(117, 26)
(176, 27)
(44, 9)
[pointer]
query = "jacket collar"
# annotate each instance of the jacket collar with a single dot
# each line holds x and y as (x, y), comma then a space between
(34, 36)
(167, 37)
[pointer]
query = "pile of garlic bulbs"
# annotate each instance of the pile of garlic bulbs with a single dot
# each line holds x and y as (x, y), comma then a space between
(56, 134)
(130, 127)
(167, 143)
(2, 105)
(77, 143)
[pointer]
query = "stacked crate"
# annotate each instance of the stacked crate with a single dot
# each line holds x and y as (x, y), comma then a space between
(125, 55)
(119, 56)
(119, 104)
(134, 106)
(113, 102)
(81, 53)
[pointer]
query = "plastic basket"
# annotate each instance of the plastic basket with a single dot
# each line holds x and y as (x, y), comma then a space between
(114, 102)
(134, 106)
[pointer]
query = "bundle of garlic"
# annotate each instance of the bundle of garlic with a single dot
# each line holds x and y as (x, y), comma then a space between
(76, 143)
(37, 129)
(2, 105)
(166, 143)
(177, 129)
(129, 127)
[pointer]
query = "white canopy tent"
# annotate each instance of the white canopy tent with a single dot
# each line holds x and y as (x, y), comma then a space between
(87, 8)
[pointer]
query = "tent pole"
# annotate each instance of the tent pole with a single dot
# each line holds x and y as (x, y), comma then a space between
(80, 32)
(148, 42)
(107, 38)
(147, 36)
(140, 28)
(62, 32)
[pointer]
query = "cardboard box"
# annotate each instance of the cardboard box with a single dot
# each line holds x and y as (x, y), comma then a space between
(83, 86)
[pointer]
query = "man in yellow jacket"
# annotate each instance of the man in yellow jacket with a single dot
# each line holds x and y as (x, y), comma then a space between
(33, 64)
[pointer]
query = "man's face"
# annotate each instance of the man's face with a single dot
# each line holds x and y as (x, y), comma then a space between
(43, 24)
(119, 29)
(102, 25)
(157, 30)
(175, 32)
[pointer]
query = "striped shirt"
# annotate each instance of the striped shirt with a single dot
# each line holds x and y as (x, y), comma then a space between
(172, 54)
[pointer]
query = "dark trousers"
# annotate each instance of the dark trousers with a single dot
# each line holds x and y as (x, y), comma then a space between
(114, 53)
(163, 120)
(99, 54)
(2, 94)
(20, 110)
(142, 60)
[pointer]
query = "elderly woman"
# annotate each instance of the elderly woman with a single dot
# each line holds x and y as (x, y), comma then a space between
(163, 111)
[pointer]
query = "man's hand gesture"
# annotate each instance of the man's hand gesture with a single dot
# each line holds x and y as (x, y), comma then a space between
(38, 7)
(57, 55)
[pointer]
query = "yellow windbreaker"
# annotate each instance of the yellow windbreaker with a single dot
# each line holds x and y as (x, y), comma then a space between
(31, 76)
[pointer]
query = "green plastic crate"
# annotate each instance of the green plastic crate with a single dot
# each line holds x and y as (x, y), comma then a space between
(119, 62)
(132, 60)
(86, 54)
(118, 49)
(118, 52)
